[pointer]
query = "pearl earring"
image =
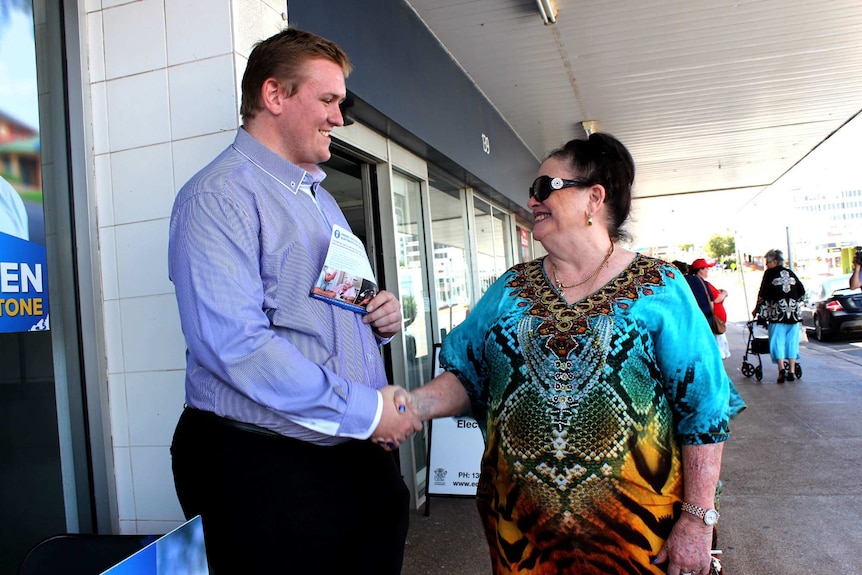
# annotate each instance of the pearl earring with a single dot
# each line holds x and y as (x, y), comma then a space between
(589, 218)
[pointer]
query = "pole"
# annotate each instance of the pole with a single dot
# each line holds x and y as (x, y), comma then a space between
(741, 269)
(789, 255)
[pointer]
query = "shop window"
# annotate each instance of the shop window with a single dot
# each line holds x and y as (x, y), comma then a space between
(492, 243)
(451, 255)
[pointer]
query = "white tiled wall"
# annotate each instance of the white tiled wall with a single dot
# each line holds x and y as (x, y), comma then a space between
(164, 77)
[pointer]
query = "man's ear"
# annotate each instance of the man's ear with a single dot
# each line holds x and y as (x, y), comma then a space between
(272, 95)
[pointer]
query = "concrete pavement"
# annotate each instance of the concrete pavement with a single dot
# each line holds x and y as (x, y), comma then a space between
(792, 474)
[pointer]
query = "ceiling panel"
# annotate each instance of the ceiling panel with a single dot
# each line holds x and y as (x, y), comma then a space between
(707, 94)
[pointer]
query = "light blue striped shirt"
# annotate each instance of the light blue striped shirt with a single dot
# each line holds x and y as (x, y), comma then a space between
(247, 243)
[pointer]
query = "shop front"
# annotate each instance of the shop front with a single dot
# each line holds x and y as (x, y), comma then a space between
(91, 379)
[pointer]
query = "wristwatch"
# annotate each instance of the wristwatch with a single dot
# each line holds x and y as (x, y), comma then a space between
(709, 516)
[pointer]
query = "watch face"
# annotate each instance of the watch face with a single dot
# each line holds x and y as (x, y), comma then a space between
(711, 517)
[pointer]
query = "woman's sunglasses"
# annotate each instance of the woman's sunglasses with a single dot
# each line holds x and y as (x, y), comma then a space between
(544, 185)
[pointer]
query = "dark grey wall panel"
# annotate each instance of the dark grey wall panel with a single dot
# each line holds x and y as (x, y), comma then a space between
(409, 88)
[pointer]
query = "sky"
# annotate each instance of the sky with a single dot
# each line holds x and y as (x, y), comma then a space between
(831, 167)
(769, 220)
(18, 91)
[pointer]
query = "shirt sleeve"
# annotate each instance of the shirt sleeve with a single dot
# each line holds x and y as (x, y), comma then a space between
(463, 350)
(214, 264)
(701, 395)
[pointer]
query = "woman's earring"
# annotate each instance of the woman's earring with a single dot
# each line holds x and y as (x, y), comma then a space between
(589, 218)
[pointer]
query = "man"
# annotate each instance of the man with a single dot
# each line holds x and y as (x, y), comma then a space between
(282, 389)
(856, 276)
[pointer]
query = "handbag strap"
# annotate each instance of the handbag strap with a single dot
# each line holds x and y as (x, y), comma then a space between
(708, 293)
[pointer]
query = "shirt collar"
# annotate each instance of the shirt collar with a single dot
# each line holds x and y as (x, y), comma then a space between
(311, 179)
(295, 178)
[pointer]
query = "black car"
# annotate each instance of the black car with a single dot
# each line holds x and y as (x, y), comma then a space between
(833, 308)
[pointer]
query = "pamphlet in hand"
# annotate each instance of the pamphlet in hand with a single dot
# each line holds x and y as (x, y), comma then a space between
(346, 279)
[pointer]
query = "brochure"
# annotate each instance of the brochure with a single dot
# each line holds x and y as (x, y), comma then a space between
(346, 279)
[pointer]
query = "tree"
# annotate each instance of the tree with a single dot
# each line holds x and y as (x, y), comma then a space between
(408, 309)
(720, 246)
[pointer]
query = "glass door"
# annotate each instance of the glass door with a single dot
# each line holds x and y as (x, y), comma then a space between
(351, 182)
(415, 301)
(38, 494)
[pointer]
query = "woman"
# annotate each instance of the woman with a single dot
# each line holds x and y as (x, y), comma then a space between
(700, 270)
(597, 386)
(779, 303)
(698, 287)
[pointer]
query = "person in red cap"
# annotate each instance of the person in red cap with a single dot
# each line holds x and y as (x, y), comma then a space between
(700, 268)
(698, 287)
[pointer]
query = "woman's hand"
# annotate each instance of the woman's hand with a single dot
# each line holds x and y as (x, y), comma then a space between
(688, 548)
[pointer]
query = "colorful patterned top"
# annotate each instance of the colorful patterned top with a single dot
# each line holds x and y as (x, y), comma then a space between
(584, 407)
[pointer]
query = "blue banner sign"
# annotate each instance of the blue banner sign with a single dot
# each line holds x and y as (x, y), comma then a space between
(23, 285)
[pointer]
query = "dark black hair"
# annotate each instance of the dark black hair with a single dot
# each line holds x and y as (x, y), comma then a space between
(602, 159)
(681, 266)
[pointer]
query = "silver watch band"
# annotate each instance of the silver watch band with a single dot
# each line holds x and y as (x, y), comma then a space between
(695, 510)
(708, 516)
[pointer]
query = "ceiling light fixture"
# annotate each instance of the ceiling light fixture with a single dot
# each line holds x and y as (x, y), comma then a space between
(548, 9)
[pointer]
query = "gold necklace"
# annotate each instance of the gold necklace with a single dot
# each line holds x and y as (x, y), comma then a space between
(589, 277)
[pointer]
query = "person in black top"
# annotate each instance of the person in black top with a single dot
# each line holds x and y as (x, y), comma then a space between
(779, 303)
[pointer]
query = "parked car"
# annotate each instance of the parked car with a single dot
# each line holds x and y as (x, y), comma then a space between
(832, 308)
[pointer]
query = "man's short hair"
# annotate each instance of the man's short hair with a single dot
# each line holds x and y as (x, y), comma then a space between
(281, 57)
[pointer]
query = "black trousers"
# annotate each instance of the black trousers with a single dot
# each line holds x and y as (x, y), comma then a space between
(274, 505)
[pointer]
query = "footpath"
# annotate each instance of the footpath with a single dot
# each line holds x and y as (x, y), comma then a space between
(792, 475)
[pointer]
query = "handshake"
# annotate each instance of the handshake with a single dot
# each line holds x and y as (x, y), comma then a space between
(404, 411)
(400, 420)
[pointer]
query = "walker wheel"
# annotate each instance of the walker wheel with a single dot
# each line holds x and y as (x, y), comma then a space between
(798, 371)
(758, 373)
(747, 369)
